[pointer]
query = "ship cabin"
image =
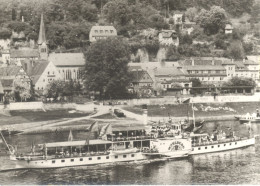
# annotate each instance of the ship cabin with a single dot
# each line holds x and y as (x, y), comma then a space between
(199, 138)
(76, 148)
(132, 136)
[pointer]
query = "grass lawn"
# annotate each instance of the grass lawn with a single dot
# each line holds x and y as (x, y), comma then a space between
(201, 109)
(36, 116)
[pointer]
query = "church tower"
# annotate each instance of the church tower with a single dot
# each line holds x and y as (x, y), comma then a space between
(42, 43)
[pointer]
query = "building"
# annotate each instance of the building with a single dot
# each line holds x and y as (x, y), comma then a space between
(17, 56)
(42, 42)
(177, 17)
(172, 81)
(141, 83)
(42, 73)
(69, 65)
(228, 29)
(168, 37)
(12, 76)
(101, 32)
(5, 44)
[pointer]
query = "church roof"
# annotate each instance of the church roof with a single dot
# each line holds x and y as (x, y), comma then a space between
(28, 53)
(42, 37)
(67, 59)
(37, 70)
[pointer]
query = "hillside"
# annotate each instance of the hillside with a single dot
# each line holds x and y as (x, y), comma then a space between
(68, 23)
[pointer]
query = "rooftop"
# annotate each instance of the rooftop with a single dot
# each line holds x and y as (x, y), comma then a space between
(28, 53)
(37, 70)
(12, 70)
(171, 71)
(67, 59)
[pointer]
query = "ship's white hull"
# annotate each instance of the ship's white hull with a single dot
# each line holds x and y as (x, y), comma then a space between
(78, 161)
(217, 147)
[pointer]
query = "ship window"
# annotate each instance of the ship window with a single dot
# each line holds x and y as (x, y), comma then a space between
(224, 145)
(99, 158)
(212, 147)
(235, 143)
(72, 160)
(124, 156)
(89, 158)
(206, 147)
(107, 157)
(230, 143)
(53, 161)
(132, 155)
(199, 148)
(218, 145)
(192, 149)
(81, 159)
(116, 156)
(62, 161)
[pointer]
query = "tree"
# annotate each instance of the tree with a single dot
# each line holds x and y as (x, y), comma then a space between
(172, 54)
(117, 11)
(106, 68)
(240, 81)
(196, 84)
(235, 50)
(191, 13)
(54, 89)
(213, 20)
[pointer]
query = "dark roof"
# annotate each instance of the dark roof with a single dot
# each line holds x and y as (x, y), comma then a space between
(9, 70)
(167, 33)
(28, 53)
(138, 76)
(37, 70)
(67, 59)
(7, 83)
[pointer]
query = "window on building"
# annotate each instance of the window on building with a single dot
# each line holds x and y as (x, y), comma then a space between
(96, 31)
(107, 157)
(99, 158)
(81, 159)
(132, 155)
(124, 156)
(116, 157)
(62, 161)
(111, 31)
(72, 160)
(89, 158)
(101, 31)
(53, 161)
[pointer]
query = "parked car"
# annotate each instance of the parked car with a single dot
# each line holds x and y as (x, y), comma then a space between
(119, 113)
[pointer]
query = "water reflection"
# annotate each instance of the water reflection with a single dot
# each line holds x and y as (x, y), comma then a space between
(241, 166)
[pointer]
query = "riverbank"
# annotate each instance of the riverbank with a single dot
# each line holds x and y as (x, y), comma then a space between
(31, 122)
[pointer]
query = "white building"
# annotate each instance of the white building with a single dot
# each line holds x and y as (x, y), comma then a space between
(42, 73)
(69, 65)
(228, 29)
(101, 32)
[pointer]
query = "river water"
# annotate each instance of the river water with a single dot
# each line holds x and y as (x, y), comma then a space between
(241, 166)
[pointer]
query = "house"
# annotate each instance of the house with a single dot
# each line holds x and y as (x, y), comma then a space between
(172, 80)
(208, 70)
(168, 37)
(177, 17)
(69, 65)
(12, 76)
(16, 56)
(42, 73)
(142, 82)
(101, 32)
(228, 29)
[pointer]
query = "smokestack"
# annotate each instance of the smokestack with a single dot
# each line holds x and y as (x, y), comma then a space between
(192, 62)
(145, 112)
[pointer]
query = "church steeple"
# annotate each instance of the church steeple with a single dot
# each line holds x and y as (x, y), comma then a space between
(41, 37)
(42, 43)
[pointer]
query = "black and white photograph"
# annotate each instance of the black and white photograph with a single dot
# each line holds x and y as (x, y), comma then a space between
(129, 92)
